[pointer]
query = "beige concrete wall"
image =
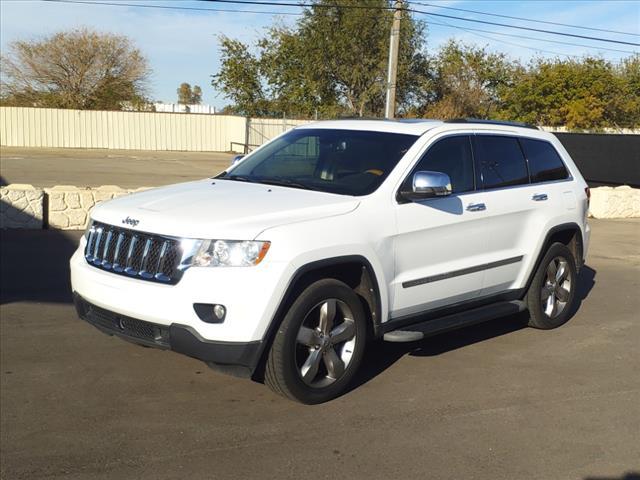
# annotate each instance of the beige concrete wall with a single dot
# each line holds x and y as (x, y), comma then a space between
(56, 128)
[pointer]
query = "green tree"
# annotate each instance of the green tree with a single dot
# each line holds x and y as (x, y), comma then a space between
(589, 93)
(465, 81)
(184, 93)
(80, 68)
(239, 79)
(332, 61)
(628, 104)
(188, 95)
(196, 95)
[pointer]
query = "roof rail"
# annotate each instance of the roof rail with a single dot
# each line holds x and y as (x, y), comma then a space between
(356, 117)
(491, 122)
(381, 119)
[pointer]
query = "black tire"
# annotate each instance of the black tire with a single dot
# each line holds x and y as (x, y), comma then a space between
(544, 291)
(283, 372)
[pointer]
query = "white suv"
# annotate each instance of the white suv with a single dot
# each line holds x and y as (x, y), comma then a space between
(284, 266)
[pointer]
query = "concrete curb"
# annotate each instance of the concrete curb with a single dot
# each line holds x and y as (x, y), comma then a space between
(67, 207)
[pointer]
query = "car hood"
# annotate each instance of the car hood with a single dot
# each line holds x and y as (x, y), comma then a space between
(221, 209)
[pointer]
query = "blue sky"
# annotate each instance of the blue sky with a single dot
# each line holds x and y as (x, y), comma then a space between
(182, 45)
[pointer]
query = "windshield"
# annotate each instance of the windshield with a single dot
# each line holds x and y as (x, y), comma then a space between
(347, 162)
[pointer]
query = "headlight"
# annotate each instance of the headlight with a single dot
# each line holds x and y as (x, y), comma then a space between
(230, 253)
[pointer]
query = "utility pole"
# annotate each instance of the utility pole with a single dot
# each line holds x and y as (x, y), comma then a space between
(394, 42)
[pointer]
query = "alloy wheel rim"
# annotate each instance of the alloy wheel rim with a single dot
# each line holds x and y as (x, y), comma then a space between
(325, 343)
(556, 287)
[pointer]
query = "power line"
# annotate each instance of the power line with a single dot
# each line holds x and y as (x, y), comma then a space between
(171, 7)
(473, 30)
(424, 4)
(537, 39)
(302, 4)
(539, 30)
(268, 2)
(422, 12)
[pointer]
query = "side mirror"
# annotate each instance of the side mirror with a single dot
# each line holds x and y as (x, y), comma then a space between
(236, 159)
(427, 184)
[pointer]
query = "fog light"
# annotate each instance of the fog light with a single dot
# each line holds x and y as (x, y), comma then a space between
(219, 312)
(210, 313)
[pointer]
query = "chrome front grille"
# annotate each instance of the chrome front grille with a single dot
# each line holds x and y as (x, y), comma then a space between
(136, 254)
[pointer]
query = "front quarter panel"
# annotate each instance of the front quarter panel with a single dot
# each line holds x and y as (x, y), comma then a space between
(353, 234)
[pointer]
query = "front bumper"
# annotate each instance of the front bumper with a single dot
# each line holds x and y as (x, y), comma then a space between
(232, 357)
(250, 295)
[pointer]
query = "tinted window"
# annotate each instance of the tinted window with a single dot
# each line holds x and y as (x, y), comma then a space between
(451, 155)
(297, 158)
(501, 161)
(544, 162)
(349, 162)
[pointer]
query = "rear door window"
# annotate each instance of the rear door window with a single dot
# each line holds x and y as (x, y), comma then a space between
(545, 164)
(500, 161)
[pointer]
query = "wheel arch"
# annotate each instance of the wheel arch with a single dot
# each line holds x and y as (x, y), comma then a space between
(569, 234)
(354, 270)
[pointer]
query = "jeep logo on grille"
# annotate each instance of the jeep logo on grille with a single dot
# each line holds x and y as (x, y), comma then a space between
(131, 221)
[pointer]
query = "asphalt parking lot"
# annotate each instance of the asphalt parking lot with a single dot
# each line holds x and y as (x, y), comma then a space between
(47, 167)
(495, 401)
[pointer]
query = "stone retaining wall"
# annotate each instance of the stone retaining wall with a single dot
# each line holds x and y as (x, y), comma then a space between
(618, 202)
(63, 207)
(68, 207)
(21, 206)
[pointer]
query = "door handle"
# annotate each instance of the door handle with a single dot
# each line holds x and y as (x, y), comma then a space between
(476, 207)
(540, 197)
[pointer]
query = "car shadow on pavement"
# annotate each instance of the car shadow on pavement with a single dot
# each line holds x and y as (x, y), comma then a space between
(586, 282)
(381, 355)
(34, 264)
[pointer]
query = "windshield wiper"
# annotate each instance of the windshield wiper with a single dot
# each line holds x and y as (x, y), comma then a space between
(238, 178)
(284, 182)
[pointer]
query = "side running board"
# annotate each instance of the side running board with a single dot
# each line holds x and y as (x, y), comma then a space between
(418, 331)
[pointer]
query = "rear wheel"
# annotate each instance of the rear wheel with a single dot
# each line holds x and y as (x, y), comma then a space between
(319, 345)
(552, 292)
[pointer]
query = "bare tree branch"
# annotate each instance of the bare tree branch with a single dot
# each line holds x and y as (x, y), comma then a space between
(80, 68)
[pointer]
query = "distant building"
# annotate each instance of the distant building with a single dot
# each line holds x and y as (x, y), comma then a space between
(181, 108)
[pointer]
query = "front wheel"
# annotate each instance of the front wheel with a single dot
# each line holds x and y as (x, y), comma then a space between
(319, 344)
